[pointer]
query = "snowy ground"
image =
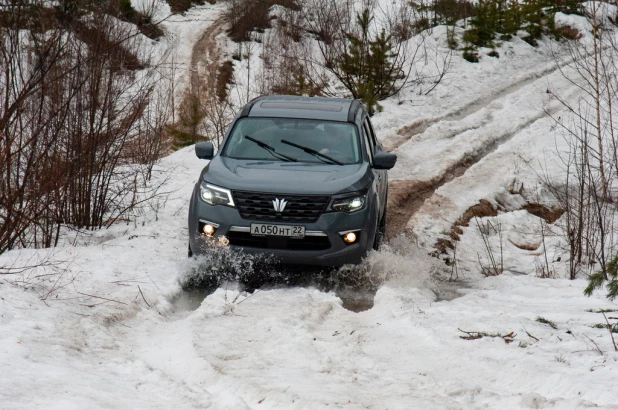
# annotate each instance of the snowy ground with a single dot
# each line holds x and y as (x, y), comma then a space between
(110, 327)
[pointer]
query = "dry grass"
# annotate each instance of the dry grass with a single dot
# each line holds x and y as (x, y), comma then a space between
(568, 32)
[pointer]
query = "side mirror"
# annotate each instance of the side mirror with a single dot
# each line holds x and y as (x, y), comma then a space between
(204, 150)
(384, 160)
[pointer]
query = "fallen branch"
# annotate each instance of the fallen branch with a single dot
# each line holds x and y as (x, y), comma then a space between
(140, 292)
(529, 335)
(508, 338)
(100, 297)
(598, 349)
(250, 296)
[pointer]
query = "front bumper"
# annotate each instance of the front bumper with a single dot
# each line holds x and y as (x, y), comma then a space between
(332, 252)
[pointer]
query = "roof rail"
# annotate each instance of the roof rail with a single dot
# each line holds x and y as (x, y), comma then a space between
(247, 108)
(354, 107)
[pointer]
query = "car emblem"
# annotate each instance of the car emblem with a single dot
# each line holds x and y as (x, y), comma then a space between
(279, 204)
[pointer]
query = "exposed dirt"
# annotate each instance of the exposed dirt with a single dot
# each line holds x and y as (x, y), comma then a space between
(550, 215)
(527, 246)
(206, 58)
(482, 209)
(405, 197)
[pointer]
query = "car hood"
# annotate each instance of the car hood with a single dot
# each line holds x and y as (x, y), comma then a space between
(286, 177)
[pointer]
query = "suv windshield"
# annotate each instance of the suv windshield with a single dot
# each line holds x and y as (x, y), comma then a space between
(337, 140)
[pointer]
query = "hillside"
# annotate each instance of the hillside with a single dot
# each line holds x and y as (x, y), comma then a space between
(472, 303)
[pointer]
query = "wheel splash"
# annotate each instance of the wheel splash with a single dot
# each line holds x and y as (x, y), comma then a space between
(398, 262)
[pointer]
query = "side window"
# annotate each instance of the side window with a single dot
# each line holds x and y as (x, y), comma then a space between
(376, 144)
(370, 136)
(368, 143)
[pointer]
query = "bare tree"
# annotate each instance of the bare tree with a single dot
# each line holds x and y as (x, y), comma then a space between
(588, 192)
(79, 118)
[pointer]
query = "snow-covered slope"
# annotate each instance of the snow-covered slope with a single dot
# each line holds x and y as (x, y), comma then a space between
(107, 325)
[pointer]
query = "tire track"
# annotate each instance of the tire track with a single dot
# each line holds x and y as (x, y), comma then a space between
(206, 58)
(408, 132)
(406, 197)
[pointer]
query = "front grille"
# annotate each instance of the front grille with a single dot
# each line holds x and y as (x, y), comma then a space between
(308, 243)
(300, 208)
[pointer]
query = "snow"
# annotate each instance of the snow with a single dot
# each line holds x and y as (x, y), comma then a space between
(172, 54)
(299, 348)
(109, 326)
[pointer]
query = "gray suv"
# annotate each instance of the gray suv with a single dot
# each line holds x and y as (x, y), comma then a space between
(300, 178)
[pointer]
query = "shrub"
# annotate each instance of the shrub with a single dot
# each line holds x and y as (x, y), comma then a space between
(81, 133)
(598, 279)
(188, 129)
(471, 55)
(142, 19)
(567, 32)
(225, 77)
(245, 16)
(180, 6)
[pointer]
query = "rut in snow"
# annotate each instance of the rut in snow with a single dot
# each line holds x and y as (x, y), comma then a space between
(206, 57)
(407, 196)
(410, 131)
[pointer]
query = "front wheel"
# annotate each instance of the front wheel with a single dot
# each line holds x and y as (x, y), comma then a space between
(380, 231)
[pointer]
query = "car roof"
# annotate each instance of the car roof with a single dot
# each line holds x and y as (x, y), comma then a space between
(292, 106)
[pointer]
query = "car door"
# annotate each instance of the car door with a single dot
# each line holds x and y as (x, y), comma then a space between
(373, 146)
(383, 172)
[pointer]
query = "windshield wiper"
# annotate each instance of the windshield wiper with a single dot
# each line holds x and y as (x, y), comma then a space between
(313, 152)
(271, 149)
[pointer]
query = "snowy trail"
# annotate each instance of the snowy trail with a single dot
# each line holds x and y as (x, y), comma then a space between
(449, 142)
(298, 348)
(451, 145)
(206, 56)
(414, 130)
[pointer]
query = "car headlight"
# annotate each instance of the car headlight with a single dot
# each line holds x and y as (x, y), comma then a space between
(349, 204)
(214, 195)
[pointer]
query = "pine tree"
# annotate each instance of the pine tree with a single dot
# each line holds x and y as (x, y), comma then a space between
(599, 278)
(445, 11)
(126, 10)
(567, 6)
(512, 18)
(535, 18)
(483, 25)
(186, 131)
(366, 65)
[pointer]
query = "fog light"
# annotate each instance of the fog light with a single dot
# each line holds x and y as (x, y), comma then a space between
(208, 229)
(349, 237)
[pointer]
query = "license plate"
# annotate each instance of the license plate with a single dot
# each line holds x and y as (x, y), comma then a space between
(277, 230)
